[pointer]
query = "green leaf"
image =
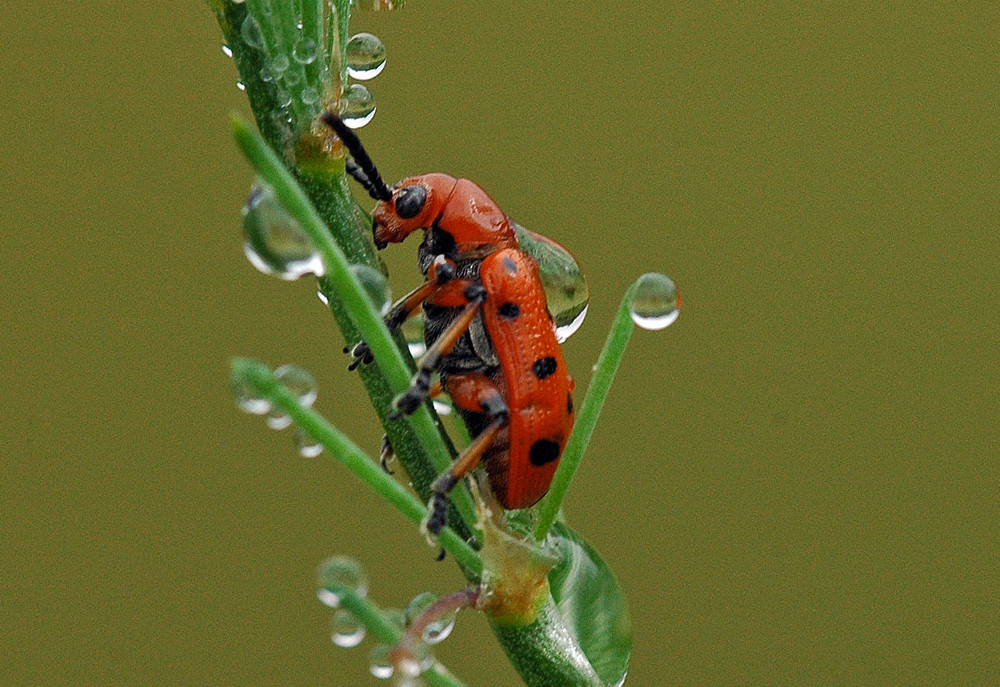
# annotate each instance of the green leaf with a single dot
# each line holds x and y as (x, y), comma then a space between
(592, 605)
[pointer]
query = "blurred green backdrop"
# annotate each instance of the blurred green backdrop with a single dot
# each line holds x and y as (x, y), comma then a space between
(796, 483)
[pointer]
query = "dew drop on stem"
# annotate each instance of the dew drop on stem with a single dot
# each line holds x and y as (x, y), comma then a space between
(656, 303)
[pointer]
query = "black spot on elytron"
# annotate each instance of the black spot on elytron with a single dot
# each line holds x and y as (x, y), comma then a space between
(410, 200)
(543, 451)
(509, 310)
(510, 265)
(543, 367)
(569, 404)
(475, 292)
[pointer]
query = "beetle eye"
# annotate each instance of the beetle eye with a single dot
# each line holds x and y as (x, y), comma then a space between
(410, 200)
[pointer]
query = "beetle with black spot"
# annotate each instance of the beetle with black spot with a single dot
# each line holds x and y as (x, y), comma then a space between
(490, 337)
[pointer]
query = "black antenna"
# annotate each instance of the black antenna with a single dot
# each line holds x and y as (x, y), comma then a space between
(377, 188)
(359, 176)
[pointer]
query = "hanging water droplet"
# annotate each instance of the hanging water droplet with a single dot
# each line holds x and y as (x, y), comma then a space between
(413, 332)
(566, 290)
(304, 51)
(299, 381)
(439, 628)
(365, 56)
(375, 285)
(322, 298)
(252, 36)
(381, 663)
(656, 303)
(309, 95)
(418, 604)
(306, 445)
(273, 241)
(227, 50)
(340, 571)
(357, 106)
(346, 630)
(240, 85)
(277, 419)
(248, 398)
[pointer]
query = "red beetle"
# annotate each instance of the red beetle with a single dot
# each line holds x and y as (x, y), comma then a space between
(487, 326)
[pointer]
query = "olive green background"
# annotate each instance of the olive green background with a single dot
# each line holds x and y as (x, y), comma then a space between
(796, 484)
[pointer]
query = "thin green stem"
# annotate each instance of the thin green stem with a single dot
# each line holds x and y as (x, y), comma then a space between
(313, 28)
(590, 411)
(259, 377)
(352, 295)
(386, 632)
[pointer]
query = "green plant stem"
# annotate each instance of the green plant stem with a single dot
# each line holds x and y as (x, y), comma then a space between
(387, 633)
(260, 378)
(590, 411)
(352, 295)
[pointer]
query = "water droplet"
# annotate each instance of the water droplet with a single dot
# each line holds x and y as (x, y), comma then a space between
(566, 289)
(304, 51)
(227, 50)
(375, 285)
(309, 95)
(240, 85)
(413, 332)
(306, 445)
(357, 106)
(252, 36)
(381, 664)
(322, 298)
(265, 74)
(346, 630)
(292, 77)
(365, 56)
(282, 97)
(277, 419)
(273, 241)
(340, 571)
(278, 65)
(299, 381)
(655, 302)
(438, 629)
(248, 398)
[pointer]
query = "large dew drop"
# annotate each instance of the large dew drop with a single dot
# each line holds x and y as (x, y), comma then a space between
(337, 572)
(273, 241)
(357, 106)
(565, 284)
(365, 56)
(656, 303)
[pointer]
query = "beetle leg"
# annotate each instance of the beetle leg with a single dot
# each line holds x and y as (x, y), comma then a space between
(476, 392)
(431, 360)
(441, 272)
